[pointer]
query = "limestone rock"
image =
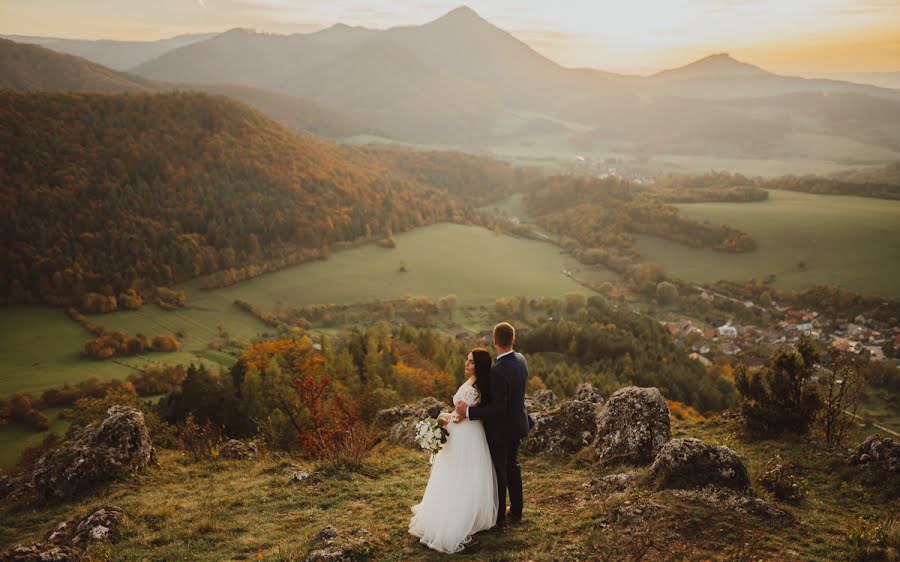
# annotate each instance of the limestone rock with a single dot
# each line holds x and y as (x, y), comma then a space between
(391, 416)
(70, 539)
(541, 401)
(402, 419)
(587, 393)
(728, 500)
(614, 483)
(40, 553)
(235, 449)
(100, 525)
(691, 463)
(300, 476)
(563, 431)
(118, 445)
(633, 427)
(877, 452)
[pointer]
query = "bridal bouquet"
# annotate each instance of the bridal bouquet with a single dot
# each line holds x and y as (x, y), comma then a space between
(431, 435)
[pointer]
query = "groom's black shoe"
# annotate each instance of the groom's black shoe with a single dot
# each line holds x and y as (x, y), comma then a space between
(513, 518)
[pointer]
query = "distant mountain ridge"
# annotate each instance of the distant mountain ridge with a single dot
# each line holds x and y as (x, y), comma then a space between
(34, 68)
(461, 81)
(117, 55)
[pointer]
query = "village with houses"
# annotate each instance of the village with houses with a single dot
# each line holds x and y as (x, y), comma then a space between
(782, 326)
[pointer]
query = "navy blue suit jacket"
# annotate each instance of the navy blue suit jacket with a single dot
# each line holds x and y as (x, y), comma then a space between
(504, 416)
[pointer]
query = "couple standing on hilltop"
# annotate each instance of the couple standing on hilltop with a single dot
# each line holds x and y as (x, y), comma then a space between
(470, 475)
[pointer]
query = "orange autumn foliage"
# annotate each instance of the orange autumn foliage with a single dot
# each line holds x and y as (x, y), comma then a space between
(683, 412)
(297, 356)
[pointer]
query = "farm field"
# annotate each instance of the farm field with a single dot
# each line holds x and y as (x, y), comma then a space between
(853, 242)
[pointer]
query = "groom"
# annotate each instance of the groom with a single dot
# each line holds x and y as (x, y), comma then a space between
(505, 420)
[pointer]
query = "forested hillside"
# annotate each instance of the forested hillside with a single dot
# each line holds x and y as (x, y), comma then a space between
(105, 193)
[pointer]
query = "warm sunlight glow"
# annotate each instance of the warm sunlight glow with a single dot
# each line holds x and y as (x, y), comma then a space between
(636, 36)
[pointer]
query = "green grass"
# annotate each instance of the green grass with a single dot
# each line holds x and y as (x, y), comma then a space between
(41, 346)
(473, 263)
(853, 242)
(16, 437)
(234, 510)
(767, 167)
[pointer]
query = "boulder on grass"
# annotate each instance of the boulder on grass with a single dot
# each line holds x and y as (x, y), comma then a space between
(633, 427)
(693, 464)
(563, 431)
(117, 446)
(587, 393)
(402, 419)
(333, 545)
(237, 450)
(877, 452)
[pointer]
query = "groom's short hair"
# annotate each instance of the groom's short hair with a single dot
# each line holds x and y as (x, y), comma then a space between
(504, 334)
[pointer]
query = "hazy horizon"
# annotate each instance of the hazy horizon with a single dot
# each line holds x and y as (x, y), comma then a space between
(811, 36)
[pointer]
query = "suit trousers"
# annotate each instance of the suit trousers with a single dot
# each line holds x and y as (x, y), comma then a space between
(509, 477)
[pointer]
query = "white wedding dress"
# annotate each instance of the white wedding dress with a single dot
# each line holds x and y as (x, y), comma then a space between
(461, 496)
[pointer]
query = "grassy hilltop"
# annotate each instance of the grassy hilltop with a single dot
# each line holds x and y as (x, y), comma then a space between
(240, 510)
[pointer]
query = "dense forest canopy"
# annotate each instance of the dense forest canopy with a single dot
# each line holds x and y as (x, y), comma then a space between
(100, 194)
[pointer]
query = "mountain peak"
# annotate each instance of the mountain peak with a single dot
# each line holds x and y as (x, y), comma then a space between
(717, 64)
(461, 14)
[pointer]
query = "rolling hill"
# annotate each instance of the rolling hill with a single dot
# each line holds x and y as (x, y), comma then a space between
(29, 67)
(34, 68)
(118, 55)
(177, 186)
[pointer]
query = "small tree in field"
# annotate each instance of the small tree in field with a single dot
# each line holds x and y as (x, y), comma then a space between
(447, 304)
(840, 387)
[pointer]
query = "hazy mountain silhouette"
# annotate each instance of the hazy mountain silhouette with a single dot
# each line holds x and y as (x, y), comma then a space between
(720, 76)
(35, 68)
(117, 55)
(461, 80)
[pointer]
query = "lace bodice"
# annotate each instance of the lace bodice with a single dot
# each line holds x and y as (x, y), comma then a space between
(468, 394)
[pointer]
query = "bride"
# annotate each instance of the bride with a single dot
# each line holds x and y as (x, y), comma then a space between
(461, 496)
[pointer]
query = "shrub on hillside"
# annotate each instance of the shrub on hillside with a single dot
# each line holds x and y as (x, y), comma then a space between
(781, 398)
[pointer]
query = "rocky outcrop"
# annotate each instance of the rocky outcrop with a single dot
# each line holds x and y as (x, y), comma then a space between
(565, 430)
(237, 450)
(633, 427)
(40, 553)
(541, 401)
(70, 539)
(692, 464)
(613, 484)
(878, 453)
(118, 445)
(332, 545)
(102, 524)
(400, 421)
(300, 476)
(587, 393)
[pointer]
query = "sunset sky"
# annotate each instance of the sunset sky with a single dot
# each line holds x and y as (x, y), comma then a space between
(635, 36)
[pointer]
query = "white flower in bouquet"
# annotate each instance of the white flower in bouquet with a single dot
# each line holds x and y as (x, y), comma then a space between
(431, 435)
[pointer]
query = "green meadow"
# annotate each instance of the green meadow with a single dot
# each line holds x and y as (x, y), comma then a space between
(853, 242)
(41, 346)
